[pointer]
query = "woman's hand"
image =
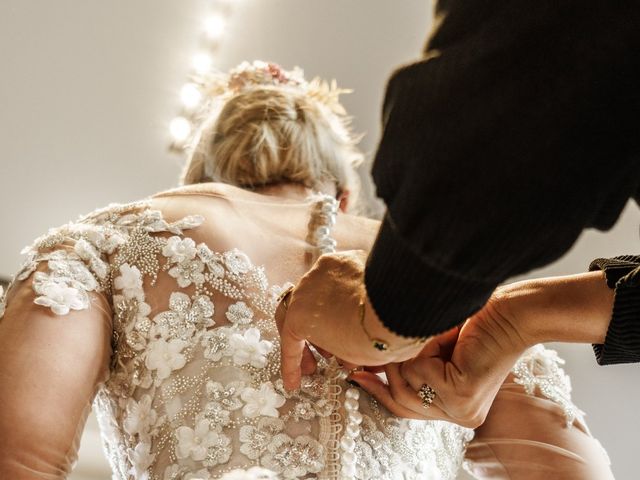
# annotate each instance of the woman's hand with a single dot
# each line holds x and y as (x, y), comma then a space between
(324, 310)
(465, 366)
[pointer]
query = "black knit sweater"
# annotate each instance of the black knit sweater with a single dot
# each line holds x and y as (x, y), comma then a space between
(519, 129)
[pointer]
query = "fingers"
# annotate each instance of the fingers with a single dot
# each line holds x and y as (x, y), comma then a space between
(441, 345)
(281, 312)
(291, 353)
(412, 375)
(295, 356)
(400, 399)
(309, 363)
(375, 387)
(348, 365)
(407, 394)
(375, 369)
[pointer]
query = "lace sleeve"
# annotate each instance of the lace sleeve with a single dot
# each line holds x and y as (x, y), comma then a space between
(55, 333)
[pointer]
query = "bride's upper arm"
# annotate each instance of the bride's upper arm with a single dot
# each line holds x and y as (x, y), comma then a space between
(55, 345)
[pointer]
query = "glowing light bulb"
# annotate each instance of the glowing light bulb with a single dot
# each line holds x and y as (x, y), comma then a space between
(190, 95)
(180, 129)
(202, 62)
(214, 26)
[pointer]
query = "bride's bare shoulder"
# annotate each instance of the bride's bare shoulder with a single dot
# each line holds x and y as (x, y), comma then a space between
(356, 232)
(209, 188)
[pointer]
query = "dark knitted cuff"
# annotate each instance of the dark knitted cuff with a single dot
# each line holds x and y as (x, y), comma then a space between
(622, 343)
(414, 298)
(615, 268)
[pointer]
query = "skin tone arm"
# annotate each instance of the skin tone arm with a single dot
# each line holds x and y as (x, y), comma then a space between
(465, 365)
(324, 311)
(50, 367)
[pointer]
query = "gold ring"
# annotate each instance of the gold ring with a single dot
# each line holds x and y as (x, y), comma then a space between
(427, 395)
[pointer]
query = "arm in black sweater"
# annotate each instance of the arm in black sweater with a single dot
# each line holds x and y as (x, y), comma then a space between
(622, 343)
(519, 129)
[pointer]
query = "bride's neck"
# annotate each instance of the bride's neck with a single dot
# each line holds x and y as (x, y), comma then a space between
(292, 191)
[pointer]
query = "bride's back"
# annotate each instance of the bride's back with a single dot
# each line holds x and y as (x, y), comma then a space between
(273, 231)
(162, 312)
(195, 385)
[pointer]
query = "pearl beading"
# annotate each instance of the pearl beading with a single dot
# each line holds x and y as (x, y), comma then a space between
(384, 447)
(322, 219)
(351, 432)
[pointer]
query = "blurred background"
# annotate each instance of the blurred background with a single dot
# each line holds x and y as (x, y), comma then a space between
(88, 91)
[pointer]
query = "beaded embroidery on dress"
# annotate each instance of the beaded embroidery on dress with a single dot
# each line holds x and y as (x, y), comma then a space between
(194, 391)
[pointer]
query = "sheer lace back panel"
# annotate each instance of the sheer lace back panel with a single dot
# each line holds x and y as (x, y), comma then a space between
(194, 387)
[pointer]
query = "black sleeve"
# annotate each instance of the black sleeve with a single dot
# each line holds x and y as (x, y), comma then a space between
(622, 343)
(518, 130)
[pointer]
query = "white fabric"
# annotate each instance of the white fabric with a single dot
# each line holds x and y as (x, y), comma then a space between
(194, 388)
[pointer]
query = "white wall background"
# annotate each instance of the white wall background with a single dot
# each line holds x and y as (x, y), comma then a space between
(87, 89)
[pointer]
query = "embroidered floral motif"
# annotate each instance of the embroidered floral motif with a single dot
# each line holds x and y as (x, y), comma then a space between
(188, 393)
(68, 266)
(140, 416)
(90, 255)
(239, 313)
(141, 459)
(129, 282)
(303, 411)
(65, 286)
(179, 250)
(263, 401)
(255, 439)
(211, 260)
(247, 348)
(195, 442)
(165, 356)
(254, 473)
(539, 368)
(237, 262)
(185, 315)
(229, 396)
(216, 343)
(220, 452)
(293, 458)
(188, 272)
(310, 400)
(59, 294)
(218, 416)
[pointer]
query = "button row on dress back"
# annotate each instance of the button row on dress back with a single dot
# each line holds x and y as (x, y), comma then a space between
(323, 219)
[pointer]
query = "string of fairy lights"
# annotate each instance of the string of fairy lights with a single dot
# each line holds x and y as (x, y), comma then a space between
(213, 30)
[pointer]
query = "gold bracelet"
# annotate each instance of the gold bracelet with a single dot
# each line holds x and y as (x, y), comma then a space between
(284, 296)
(379, 344)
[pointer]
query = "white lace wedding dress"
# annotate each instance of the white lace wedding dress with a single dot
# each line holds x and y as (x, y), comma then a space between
(193, 389)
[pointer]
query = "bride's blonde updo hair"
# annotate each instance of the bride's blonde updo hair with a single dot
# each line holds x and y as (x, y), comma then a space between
(270, 126)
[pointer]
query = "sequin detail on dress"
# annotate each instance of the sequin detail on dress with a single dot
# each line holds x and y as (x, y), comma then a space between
(194, 390)
(539, 369)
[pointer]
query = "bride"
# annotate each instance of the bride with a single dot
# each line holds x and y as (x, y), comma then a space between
(161, 312)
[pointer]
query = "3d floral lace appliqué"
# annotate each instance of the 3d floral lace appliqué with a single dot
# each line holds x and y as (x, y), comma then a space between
(539, 369)
(195, 389)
